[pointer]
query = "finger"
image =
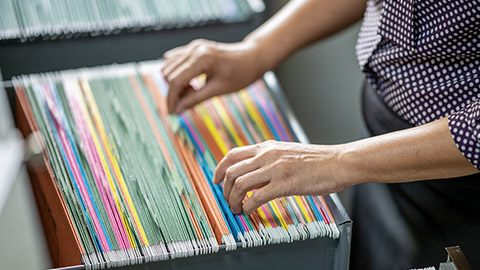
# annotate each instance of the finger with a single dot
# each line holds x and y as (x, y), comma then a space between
(172, 52)
(242, 185)
(237, 170)
(176, 58)
(189, 89)
(179, 80)
(260, 197)
(173, 63)
(191, 98)
(233, 156)
(190, 46)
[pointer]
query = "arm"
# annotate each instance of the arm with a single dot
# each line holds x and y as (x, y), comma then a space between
(420, 153)
(230, 67)
(280, 169)
(301, 23)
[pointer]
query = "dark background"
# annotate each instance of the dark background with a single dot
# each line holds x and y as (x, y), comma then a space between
(40, 56)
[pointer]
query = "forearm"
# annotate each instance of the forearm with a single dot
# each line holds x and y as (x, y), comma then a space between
(420, 153)
(300, 23)
(277, 169)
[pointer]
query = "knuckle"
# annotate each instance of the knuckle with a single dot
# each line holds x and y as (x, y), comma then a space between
(208, 50)
(254, 199)
(247, 163)
(239, 184)
(268, 145)
(204, 53)
(173, 82)
(281, 162)
(229, 174)
(269, 142)
(232, 153)
(258, 198)
(262, 156)
(197, 42)
(272, 153)
(203, 56)
(265, 143)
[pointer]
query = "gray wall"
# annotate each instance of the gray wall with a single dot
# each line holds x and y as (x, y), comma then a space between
(322, 83)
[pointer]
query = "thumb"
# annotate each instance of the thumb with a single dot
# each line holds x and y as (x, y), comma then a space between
(193, 97)
(260, 196)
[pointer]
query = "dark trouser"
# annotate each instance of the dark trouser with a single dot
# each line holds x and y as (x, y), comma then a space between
(408, 225)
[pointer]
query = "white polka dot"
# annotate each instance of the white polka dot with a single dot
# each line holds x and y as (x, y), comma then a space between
(422, 58)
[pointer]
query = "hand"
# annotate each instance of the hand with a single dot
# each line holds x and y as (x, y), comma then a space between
(277, 169)
(228, 67)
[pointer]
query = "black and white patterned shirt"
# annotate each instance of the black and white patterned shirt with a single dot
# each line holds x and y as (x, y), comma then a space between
(423, 58)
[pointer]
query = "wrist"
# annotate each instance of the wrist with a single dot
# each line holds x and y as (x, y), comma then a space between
(350, 167)
(265, 55)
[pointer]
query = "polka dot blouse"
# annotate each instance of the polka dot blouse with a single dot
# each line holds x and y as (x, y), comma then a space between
(423, 58)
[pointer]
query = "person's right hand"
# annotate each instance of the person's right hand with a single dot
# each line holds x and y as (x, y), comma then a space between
(228, 67)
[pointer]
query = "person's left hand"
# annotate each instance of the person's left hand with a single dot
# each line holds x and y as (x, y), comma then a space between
(277, 169)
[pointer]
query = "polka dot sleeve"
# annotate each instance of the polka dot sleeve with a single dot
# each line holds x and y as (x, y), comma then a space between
(465, 129)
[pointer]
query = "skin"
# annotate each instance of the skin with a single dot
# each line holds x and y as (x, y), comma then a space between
(230, 67)
(278, 169)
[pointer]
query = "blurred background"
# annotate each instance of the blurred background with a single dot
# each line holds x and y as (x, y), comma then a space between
(322, 84)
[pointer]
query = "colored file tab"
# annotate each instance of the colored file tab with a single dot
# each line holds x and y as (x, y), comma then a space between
(137, 182)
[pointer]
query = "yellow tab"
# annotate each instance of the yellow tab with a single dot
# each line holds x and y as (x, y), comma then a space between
(262, 213)
(264, 218)
(213, 130)
(283, 223)
(103, 136)
(75, 88)
(302, 208)
(254, 114)
(226, 120)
